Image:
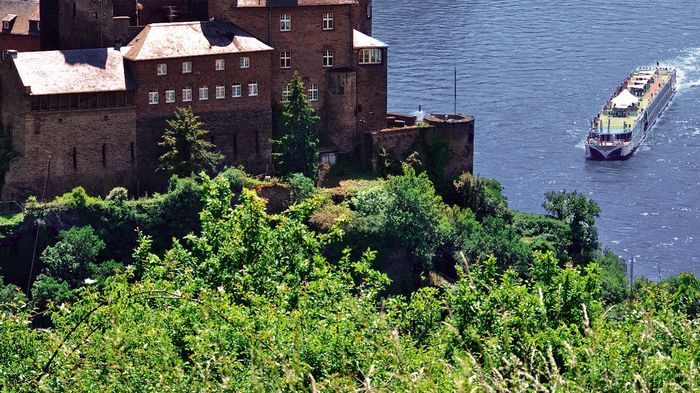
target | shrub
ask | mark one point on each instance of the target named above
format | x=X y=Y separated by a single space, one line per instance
x=483 y=196
x=300 y=187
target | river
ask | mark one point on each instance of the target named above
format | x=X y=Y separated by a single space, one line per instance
x=533 y=73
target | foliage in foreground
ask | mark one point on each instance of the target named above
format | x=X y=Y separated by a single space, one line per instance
x=251 y=303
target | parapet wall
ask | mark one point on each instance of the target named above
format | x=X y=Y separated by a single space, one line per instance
x=452 y=135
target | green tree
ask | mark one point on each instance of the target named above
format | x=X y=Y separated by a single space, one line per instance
x=580 y=213
x=70 y=264
x=482 y=195
x=296 y=148
x=186 y=150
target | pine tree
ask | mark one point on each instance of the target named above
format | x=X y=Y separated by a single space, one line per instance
x=186 y=149
x=296 y=148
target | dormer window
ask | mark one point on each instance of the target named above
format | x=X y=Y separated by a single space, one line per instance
x=7 y=21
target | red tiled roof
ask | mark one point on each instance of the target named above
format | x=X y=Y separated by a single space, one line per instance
x=290 y=3
x=73 y=71
x=23 y=12
x=185 y=39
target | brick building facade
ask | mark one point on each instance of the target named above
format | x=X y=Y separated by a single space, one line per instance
x=232 y=70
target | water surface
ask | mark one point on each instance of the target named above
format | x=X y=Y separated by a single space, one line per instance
x=534 y=72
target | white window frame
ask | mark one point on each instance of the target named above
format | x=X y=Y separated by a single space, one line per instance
x=369 y=10
x=220 y=92
x=169 y=96
x=313 y=93
x=286 y=93
x=153 y=97
x=5 y=25
x=370 y=56
x=327 y=58
x=328 y=22
x=236 y=90
x=186 y=67
x=286 y=59
x=245 y=62
x=187 y=94
x=162 y=69
x=219 y=64
x=253 y=89
x=285 y=22
x=203 y=93
x=4 y=54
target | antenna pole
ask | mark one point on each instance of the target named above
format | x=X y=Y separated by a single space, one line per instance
x=455 y=102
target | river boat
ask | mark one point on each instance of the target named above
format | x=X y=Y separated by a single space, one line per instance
x=629 y=115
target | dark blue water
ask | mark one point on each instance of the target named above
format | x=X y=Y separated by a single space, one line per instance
x=534 y=72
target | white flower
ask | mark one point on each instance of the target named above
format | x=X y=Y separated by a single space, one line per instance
x=89 y=281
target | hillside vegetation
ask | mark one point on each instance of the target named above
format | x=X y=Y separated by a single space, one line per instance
x=377 y=285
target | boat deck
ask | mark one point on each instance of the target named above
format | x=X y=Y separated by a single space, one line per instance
x=617 y=123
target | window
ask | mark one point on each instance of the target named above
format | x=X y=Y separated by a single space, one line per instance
x=285 y=22
x=162 y=69
x=329 y=159
x=253 y=89
x=187 y=94
x=286 y=92
x=313 y=93
x=236 y=90
x=152 y=97
x=369 y=11
x=245 y=62
x=5 y=25
x=220 y=64
x=169 y=96
x=4 y=54
x=327 y=58
x=370 y=56
x=186 y=67
x=203 y=93
x=286 y=59
x=328 y=21
x=38 y=26
x=220 y=92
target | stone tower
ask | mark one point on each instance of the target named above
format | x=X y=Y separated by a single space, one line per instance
x=362 y=16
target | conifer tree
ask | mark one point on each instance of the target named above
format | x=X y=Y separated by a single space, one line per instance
x=296 y=148
x=186 y=149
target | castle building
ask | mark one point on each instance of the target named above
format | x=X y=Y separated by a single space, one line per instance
x=93 y=117
x=20 y=26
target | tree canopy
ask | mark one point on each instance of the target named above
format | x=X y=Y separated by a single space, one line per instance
x=187 y=151
x=295 y=150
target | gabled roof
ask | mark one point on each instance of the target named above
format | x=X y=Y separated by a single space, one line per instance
x=186 y=39
x=361 y=40
x=21 y=11
x=289 y=3
x=73 y=71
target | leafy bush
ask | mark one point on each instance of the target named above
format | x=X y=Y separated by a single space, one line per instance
x=300 y=187
x=483 y=196
x=70 y=264
x=579 y=213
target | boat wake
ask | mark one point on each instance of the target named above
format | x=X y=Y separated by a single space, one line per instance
x=688 y=65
